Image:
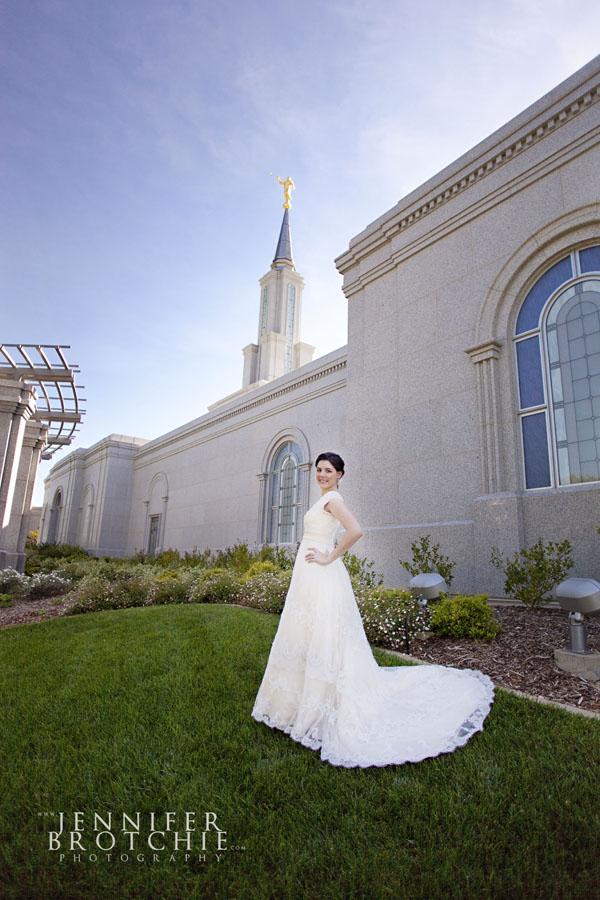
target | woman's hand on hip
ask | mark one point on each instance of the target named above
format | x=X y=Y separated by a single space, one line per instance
x=314 y=555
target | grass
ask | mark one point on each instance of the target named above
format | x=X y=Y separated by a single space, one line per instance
x=148 y=709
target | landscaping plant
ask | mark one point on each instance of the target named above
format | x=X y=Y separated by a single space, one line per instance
x=465 y=617
x=531 y=574
x=427 y=558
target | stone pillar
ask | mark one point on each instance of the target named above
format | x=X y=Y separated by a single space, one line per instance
x=305 y=468
x=33 y=443
x=163 y=521
x=146 y=526
x=17 y=406
x=263 y=517
x=497 y=512
x=485 y=357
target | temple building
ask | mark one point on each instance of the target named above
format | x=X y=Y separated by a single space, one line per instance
x=466 y=403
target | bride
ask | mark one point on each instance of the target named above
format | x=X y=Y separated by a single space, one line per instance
x=322 y=685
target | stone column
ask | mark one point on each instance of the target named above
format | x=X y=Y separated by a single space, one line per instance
x=261 y=533
x=146 y=527
x=163 y=521
x=33 y=443
x=497 y=513
x=305 y=468
x=485 y=357
x=17 y=406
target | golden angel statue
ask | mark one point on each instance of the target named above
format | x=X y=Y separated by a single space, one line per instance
x=288 y=185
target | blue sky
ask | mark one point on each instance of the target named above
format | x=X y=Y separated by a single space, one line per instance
x=137 y=141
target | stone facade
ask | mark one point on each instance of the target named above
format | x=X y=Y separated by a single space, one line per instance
x=423 y=403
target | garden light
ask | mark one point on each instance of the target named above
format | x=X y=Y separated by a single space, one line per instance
x=579 y=597
x=427 y=586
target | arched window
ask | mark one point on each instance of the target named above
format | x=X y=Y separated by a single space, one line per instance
x=54 y=517
x=285 y=493
x=557 y=345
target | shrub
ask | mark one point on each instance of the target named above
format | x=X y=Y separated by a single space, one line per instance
x=93 y=594
x=239 y=558
x=168 y=559
x=461 y=617
x=392 y=618
x=173 y=591
x=282 y=557
x=5 y=601
x=45 y=584
x=261 y=567
x=43 y=556
x=195 y=558
x=531 y=574
x=266 y=591
x=12 y=582
x=214 y=586
x=361 y=571
x=427 y=558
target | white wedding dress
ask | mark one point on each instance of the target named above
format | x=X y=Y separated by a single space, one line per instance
x=323 y=687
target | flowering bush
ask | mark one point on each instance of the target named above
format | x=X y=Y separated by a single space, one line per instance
x=45 y=584
x=214 y=586
x=34 y=587
x=94 y=594
x=261 y=567
x=171 y=587
x=392 y=618
x=266 y=591
x=12 y=582
x=461 y=616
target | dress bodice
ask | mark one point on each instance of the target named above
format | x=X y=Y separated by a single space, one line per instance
x=319 y=524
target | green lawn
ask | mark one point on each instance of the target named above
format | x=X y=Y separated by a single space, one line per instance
x=148 y=709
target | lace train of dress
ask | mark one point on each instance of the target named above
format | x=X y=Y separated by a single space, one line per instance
x=323 y=687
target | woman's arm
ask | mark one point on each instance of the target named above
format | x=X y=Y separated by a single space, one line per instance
x=353 y=532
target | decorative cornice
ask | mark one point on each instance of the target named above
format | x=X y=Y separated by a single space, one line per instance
x=402 y=220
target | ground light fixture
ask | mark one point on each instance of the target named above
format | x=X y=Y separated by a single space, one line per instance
x=427 y=586
x=579 y=597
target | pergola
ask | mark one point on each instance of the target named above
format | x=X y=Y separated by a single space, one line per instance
x=58 y=405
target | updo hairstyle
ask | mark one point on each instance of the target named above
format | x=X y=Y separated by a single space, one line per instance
x=336 y=461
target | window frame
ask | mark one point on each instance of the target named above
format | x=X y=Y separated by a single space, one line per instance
x=547 y=406
x=274 y=522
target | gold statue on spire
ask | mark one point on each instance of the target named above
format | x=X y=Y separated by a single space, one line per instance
x=288 y=185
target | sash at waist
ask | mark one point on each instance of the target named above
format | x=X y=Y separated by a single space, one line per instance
x=314 y=537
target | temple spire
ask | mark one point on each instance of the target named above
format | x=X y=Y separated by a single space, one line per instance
x=283 y=253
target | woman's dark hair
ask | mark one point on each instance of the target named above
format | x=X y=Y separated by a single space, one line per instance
x=336 y=461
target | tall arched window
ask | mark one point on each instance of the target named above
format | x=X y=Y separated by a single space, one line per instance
x=557 y=344
x=285 y=495
x=55 y=510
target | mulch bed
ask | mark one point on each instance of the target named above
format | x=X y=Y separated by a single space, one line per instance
x=521 y=657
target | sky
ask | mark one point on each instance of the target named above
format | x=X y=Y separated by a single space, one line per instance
x=137 y=138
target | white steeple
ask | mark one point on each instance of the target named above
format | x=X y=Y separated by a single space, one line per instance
x=279 y=349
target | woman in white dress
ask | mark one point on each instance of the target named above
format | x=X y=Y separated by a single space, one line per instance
x=322 y=685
